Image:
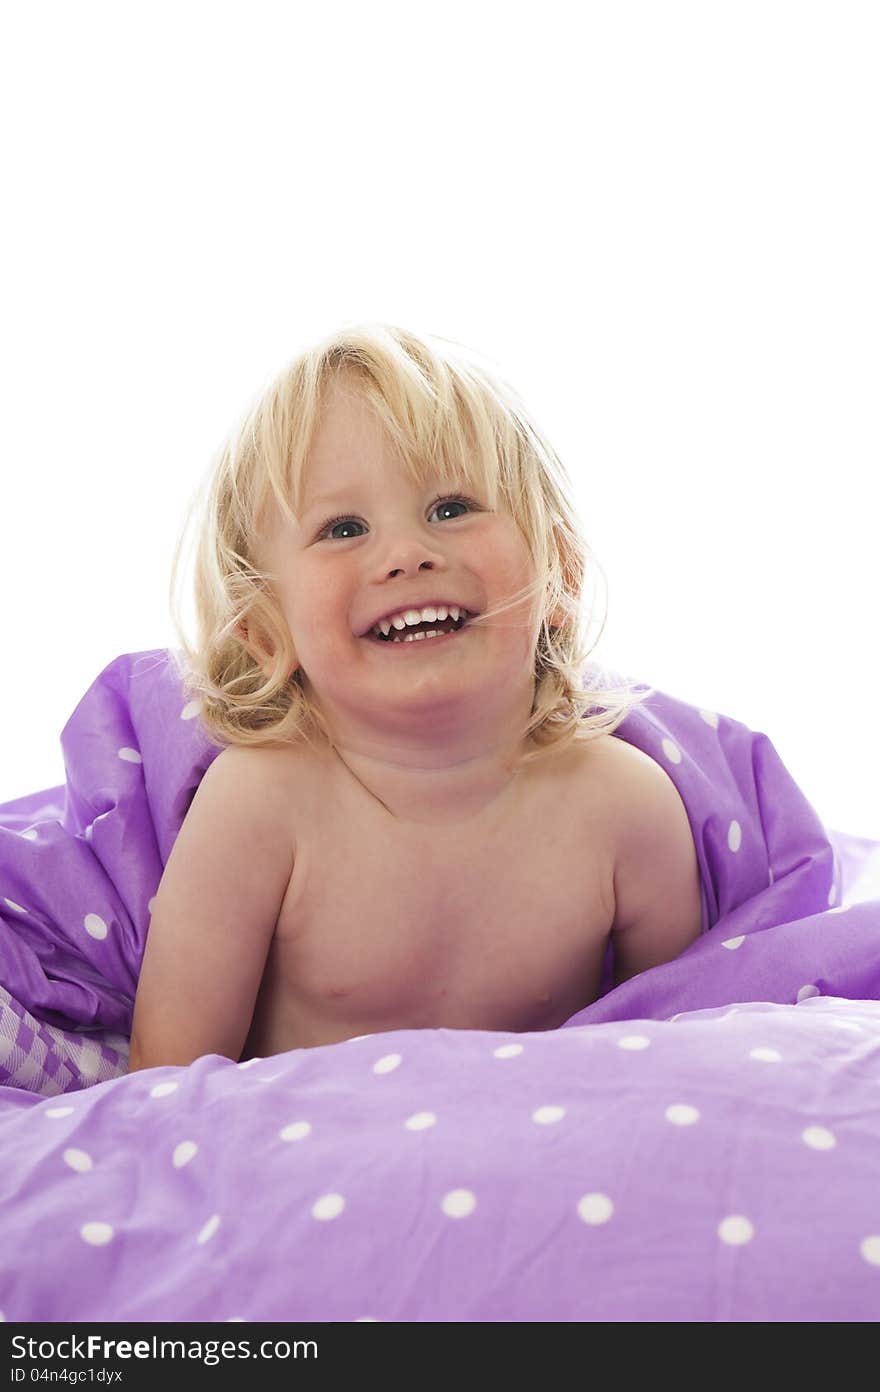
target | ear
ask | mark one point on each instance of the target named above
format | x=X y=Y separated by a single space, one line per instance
x=261 y=651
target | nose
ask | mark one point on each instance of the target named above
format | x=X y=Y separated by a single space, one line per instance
x=402 y=570
x=412 y=557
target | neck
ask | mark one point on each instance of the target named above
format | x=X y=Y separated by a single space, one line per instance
x=429 y=792
x=448 y=763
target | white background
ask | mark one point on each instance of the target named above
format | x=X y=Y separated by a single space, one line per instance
x=661 y=219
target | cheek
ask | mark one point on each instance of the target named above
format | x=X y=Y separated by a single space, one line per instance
x=516 y=565
x=319 y=611
x=316 y=590
x=503 y=547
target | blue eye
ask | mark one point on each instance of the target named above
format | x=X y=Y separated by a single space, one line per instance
x=334 y=521
x=443 y=502
x=343 y=517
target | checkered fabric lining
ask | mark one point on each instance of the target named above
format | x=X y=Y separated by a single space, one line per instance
x=42 y=1058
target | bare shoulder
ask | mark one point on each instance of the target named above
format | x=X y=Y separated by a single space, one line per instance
x=656 y=870
x=615 y=772
x=616 y=778
x=272 y=762
x=265 y=766
x=296 y=767
x=629 y=779
x=272 y=779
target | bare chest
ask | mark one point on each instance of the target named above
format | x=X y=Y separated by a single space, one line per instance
x=385 y=928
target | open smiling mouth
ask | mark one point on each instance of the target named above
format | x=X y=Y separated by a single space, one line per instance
x=440 y=631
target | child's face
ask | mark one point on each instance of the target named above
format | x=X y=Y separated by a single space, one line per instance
x=398 y=546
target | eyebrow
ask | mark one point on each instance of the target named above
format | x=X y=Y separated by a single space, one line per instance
x=342 y=495
x=327 y=499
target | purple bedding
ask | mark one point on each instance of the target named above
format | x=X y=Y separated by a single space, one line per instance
x=702 y=1143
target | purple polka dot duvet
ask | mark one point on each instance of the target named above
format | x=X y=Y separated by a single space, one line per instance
x=702 y=1143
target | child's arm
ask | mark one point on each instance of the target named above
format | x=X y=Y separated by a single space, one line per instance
x=214 y=916
x=658 y=911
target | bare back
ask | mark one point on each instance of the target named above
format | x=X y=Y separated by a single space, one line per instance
x=500 y=923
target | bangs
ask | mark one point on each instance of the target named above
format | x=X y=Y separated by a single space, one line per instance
x=443 y=419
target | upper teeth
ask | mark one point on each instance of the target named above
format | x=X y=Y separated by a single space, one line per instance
x=415 y=616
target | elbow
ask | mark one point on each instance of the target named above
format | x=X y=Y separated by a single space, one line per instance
x=140 y=1057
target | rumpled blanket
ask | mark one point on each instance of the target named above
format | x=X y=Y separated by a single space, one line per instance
x=700 y=1143
x=80 y=864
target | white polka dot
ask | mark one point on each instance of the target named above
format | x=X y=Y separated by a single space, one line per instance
x=209 y=1229
x=95 y=926
x=151 y=906
x=710 y=718
x=545 y=1116
x=421 y=1121
x=387 y=1064
x=633 y=1042
x=507 y=1050
x=190 y=710
x=96 y=1234
x=17 y=907
x=595 y=1208
x=79 y=1160
x=681 y=1114
x=806 y=992
x=733 y=943
x=734 y=836
x=766 y=1055
x=59 y=1111
x=183 y=1153
x=131 y=756
x=735 y=1230
x=30 y=834
x=295 y=1131
x=819 y=1138
x=458 y=1203
x=328 y=1206
x=672 y=751
x=870 y=1249
x=163 y=1089
x=832 y=895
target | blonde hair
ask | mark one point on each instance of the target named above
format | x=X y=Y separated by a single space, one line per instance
x=446 y=410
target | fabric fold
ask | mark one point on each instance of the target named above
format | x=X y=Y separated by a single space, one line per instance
x=80 y=864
